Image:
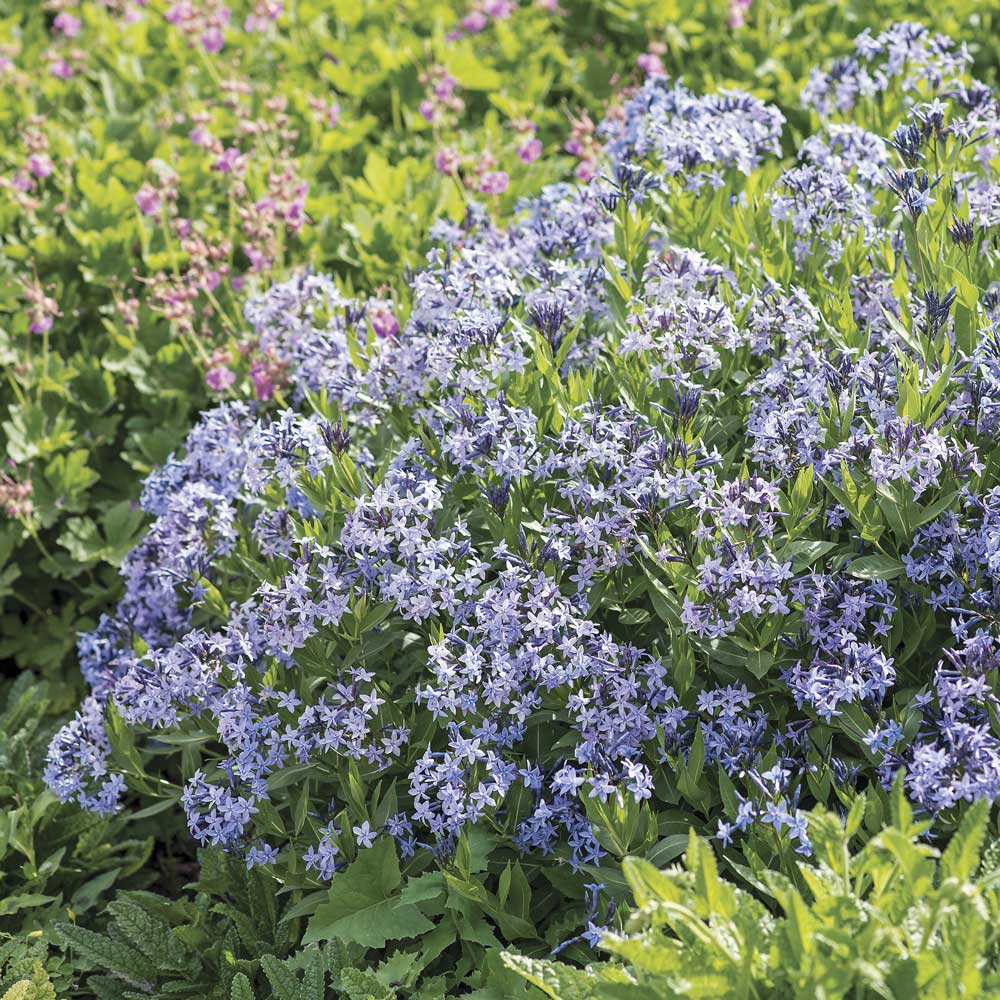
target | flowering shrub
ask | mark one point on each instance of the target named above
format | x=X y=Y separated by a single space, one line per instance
x=164 y=161
x=671 y=500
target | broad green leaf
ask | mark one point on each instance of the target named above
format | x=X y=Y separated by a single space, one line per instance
x=364 y=905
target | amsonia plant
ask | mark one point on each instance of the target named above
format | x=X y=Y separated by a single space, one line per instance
x=675 y=500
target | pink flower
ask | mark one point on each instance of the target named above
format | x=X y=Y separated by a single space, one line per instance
x=237 y=284
x=258 y=261
x=229 y=161
x=427 y=110
x=586 y=170
x=200 y=136
x=530 y=151
x=23 y=181
x=264 y=12
x=447 y=160
x=148 y=200
x=262 y=384
x=383 y=321
x=66 y=24
x=473 y=23
x=650 y=63
x=41 y=323
x=220 y=378
x=213 y=40
x=445 y=87
x=40 y=165
x=737 y=12
x=494 y=182
x=211 y=281
x=500 y=9
x=295 y=215
x=61 y=69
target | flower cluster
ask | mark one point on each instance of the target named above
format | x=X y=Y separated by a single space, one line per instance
x=595 y=509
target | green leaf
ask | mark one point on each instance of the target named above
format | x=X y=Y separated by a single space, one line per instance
x=113 y=956
x=150 y=935
x=876 y=567
x=806 y=551
x=364 y=906
x=961 y=858
x=284 y=982
x=24 y=901
x=240 y=988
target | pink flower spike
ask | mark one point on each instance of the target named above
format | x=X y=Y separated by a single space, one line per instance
x=148 y=200
x=220 y=378
x=40 y=165
x=200 y=136
x=530 y=151
x=67 y=24
x=61 y=69
x=179 y=12
x=228 y=161
x=651 y=64
x=473 y=23
x=262 y=384
x=213 y=40
x=447 y=160
x=494 y=182
x=500 y=9
x=384 y=321
x=737 y=13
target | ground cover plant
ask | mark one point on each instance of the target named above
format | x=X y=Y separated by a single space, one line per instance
x=665 y=502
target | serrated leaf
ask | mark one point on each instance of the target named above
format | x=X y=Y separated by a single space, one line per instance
x=116 y=957
x=961 y=857
x=240 y=988
x=364 y=906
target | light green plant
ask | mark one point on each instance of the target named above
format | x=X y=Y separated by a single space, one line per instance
x=896 y=918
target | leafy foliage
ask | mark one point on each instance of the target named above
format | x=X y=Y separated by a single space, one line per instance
x=894 y=918
x=54 y=859
x=234 y=940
